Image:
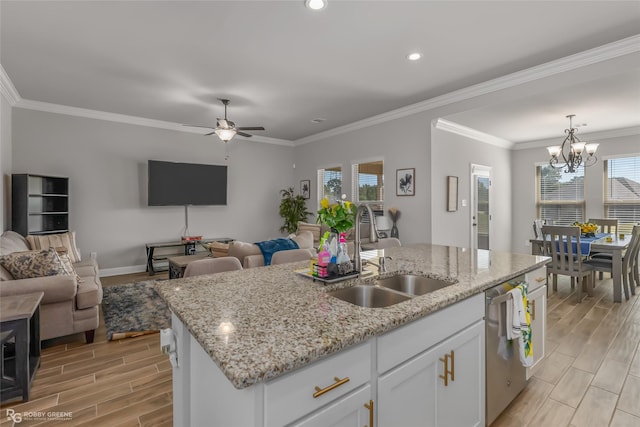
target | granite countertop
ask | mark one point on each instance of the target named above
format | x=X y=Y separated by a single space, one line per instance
x=259 y=323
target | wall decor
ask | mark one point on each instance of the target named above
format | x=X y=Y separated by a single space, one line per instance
x=405 y=182
x=305 y=188
x=452 y=193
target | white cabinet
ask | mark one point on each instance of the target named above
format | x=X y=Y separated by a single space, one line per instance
x=538 y=304
x=449 y=380
x=353 y=410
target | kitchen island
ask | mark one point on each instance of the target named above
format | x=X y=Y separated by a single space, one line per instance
x=254 y=346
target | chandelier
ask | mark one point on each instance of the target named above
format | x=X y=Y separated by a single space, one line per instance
x=571 y=151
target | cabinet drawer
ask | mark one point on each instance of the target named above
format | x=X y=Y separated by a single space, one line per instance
x=401 y=344
x=291 y=396
x=536 y=278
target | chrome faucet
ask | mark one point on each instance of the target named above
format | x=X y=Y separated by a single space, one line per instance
x=373 y=234
x=382 y=268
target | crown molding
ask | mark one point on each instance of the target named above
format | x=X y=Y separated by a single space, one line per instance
x=588 y=137
x=7 y=88
x=606 y=52
x=474 y=134
x=133 y=120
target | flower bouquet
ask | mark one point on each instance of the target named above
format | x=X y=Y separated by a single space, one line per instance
x=338 y=216
x=588 y=229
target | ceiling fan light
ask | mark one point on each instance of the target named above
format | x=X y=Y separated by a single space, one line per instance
x=591 y=148
x=225 y=134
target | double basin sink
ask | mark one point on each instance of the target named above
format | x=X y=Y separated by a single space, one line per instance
x=390 y=290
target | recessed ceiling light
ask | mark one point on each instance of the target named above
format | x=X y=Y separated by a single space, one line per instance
x=315 y=4
x=414 y=56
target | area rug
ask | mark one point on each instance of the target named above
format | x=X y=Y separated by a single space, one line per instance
x=133 y=309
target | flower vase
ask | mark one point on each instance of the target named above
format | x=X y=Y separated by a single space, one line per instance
x=394 y=231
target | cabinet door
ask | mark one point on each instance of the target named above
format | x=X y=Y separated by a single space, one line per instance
x=415 y=394
x=407 y=394
x=538 y=304
x=460 y=400
x=354 y=410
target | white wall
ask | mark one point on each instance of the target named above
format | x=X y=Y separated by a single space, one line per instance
x=524 y=183
x=402 y=143
x=452 y=154
x=106 y=164
x=5 y=163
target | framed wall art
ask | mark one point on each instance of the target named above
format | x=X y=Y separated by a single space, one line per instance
x=405 y=182
x=305 y=188
x=452 y=193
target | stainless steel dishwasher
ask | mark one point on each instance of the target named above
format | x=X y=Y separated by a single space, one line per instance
x=505 y=378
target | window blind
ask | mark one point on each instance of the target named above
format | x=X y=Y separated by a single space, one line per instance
x=330 y=183
x=560 y=195
x=622 y=191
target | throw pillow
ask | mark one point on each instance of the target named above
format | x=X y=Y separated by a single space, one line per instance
x=68 y=240
x=29 y=264
x=304 y=239
x=313 y=228
x=68 y=266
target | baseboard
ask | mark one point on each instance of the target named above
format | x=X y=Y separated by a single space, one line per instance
x=106 y=272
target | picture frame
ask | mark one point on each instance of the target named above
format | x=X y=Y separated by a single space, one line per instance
x=452 y=193
x=305 y=188
x=405 y=182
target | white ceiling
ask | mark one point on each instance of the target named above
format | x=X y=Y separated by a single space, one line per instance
x=283 y=65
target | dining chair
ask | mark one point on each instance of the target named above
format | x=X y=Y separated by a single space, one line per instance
x=293 y=255
x=607 y=225
x=212 y=265
x=629 y=262
x=562 y=244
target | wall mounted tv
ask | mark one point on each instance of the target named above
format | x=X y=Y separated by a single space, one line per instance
x=182 y=184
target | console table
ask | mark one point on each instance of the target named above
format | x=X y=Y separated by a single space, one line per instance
x=175 y=249
x=20 y=342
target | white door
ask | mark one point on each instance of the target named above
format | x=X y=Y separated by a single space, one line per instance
x=480 y=207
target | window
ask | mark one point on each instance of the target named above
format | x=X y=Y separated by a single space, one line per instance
x=368 y=184
x=622 y=191
x=330 y=183
x=560 y=195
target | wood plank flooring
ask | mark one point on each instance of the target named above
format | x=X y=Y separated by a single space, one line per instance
x=591 y=376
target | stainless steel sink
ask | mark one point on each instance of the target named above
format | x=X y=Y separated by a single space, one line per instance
x=412 y=284
x=369 y=296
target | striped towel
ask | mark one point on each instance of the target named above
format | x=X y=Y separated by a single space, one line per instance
x=519 y=314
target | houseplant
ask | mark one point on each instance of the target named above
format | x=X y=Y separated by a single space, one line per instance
x=293 y=209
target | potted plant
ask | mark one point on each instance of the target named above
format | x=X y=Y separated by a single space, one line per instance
x=293 y=209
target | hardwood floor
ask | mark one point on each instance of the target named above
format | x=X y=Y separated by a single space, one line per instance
x=106 y=383
x=591 y=376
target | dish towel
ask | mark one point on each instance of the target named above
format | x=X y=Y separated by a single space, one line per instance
x=518 y=312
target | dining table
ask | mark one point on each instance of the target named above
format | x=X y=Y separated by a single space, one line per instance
x=615 y=247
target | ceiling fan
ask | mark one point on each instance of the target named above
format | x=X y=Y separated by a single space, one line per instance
x=226 y=129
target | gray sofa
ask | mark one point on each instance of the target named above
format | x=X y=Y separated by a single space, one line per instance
x=70 y=303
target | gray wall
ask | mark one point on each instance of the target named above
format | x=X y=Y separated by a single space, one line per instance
x=453 y=154
x=106 y=164
x=402 y=143
x=5 y=163
x=524 y=182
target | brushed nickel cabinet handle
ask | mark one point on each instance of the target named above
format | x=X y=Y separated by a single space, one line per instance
x=338 y=382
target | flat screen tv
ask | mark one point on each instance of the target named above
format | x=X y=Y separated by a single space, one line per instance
x=182 y=184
